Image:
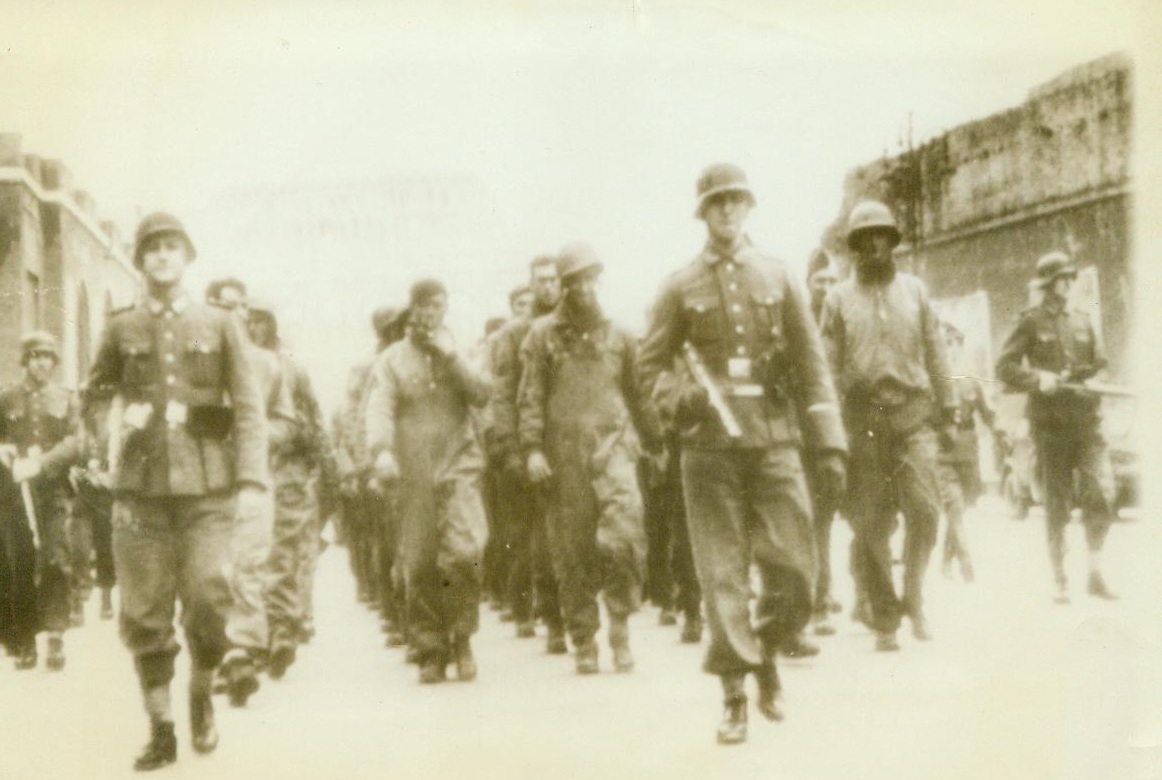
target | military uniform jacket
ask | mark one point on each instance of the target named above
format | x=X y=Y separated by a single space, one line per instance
x=579 y=387
x=752 y=326
x=207 y=430
x=1051 y=337
x=505 y=360
x=47 y=418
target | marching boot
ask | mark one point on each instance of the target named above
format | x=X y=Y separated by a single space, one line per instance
x=203 y=732
x=555 y=644
x=797 y=646
x=821 y=621
x=241 y=678
x=465 y=661
x=667 y=617
x=886 y=642
x=966 y=570
x=1098 y=588
x=281 y=659
x=587 y=657
x=692 y=630
x=433 y=670
x=162 y=749
x=920 y=628
x=732 y=728
x=77 y=612
x=1057 y=559
x=56 y=653
x=106 y=603
x=526 y=629
x=619 y=644
x=26 y=657
x=770 y=689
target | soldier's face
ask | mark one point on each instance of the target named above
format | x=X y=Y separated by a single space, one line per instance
x=40 y=367
x=581 y=290
x=1062 y=286
x=725 y=215
x=522 y=305
x=261 y=330
x=820 y=283
x=164 y=257
x=232 y=300
x=429 y=313
x=546 y=285
x=874 y=247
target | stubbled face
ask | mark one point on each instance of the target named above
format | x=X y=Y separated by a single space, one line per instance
x=581 y=290
x=725 y=215
x=164 y=257
x=40 y=366
x=546 y=286
x=522 y=305
x=429 y=314
x=874 y=247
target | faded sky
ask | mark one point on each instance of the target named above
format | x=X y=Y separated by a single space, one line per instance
x=590 y=121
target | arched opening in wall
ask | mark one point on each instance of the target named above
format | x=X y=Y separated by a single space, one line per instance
x=84 y=332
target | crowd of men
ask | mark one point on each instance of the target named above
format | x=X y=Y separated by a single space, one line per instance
x=558 y=465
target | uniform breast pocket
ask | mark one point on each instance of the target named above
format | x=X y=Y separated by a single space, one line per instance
x=1046 y=347
x=204 y=363
x=766 y=309
x=136 y=363
x=704 y=316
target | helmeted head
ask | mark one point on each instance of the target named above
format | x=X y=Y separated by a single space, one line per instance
x=1054 y=266
x=38 y=343
x=156 y=224
x=822 y=274
x=868 y=217
x=580 y=268
x=262 y=324
x=720 y=179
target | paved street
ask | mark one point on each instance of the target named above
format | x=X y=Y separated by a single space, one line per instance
x=1012 y=687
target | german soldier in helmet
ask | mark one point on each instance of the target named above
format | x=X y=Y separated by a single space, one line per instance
x=888 y=358
x=40 y=428
x=192 y=458
x=746 y=500
x=1051 y=345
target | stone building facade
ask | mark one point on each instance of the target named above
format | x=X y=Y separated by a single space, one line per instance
x=62 y=269
x=979 y=204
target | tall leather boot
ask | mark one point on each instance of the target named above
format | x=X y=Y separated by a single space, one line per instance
x=162 y=748
x=203 y=732
x=56 y=652
x=732 y=728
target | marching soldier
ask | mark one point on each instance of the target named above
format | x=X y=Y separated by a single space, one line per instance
x=419 y=432
x=531 y=584
x=300 y=474
x=40 y=429
x=191 y=458
x=580 y=404
x=746 y=501
x=959 y=465
x=888 y=359
x=1053 y=346
x=248 y=626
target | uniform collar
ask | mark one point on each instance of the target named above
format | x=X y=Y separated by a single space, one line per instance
x=712 y=255
x=179 y=304
x=561 y=319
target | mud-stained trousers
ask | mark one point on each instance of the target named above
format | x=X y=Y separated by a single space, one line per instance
x=248 y=626
x=1060 y=454
x=443 y=531
x=532 y=586
x=747 y=506
x=597 y=535
x=296 y=527
x=888 y=473
x=166 y=549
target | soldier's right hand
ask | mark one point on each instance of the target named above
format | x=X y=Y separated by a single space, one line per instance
x=538 y=467
x=693 y=402
x=386 y=469
x=1047 y=382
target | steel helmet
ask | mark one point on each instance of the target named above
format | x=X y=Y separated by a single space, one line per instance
x=719 y=178
x=38 y=341
x=872 y=215
x=1052 y=266
x=576 y=258
x=155 y=223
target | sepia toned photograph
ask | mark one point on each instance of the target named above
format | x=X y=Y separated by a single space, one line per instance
x=613 y=389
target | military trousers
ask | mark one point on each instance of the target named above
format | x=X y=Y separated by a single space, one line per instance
x=687 y=591
x=1060 y=455
x=955 y=497
x=93 y=511
x=383 y=515
x=744 y=507
x=597 y=535
x=532 y=586
x=443 y=531
x=41 y=580
x=823 y=511
x=248 y=626
x=296 y=527
x=167 y=549
x=890 y=473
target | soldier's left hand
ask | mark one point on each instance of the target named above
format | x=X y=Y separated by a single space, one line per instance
x=24 y=469
x=833 y=477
